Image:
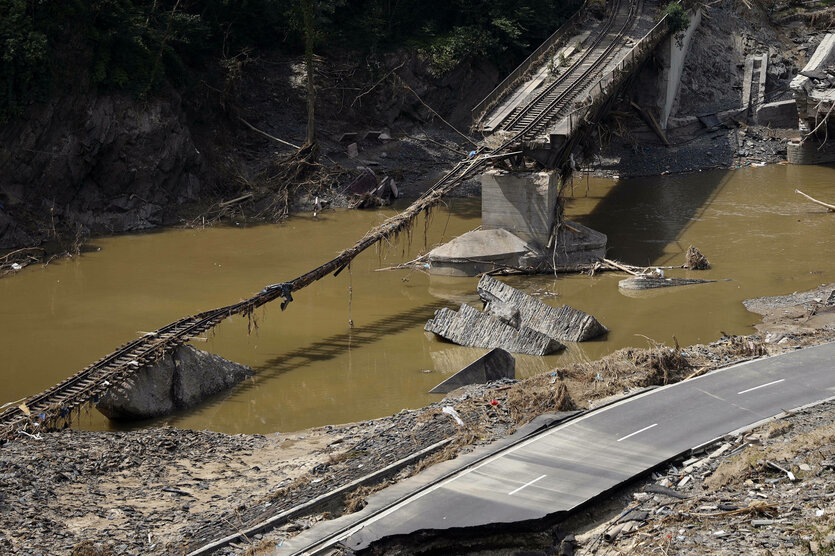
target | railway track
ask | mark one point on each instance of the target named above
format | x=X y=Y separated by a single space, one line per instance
x=549 y=104
x=53 y=407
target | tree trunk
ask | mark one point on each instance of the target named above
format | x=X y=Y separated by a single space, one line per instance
x=307 y=8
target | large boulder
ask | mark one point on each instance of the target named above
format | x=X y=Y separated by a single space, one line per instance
x=179 y=380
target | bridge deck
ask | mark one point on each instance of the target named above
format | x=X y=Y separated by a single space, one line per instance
x=571 y=72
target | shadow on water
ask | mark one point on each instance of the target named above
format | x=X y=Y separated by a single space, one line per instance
x=641 y=216
x=323 y=350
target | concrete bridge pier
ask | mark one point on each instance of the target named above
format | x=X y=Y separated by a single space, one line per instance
x=672 y=53
x=522 y=226
x=814 y=96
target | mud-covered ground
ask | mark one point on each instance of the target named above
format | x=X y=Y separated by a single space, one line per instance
x=168 y=490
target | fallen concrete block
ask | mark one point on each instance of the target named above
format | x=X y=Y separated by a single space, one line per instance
x=470 y=327
x=564 y=323
x=782 y=114
x=179 y=380
x=494 y=365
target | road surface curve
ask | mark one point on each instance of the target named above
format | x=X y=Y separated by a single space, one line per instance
x=566 y=466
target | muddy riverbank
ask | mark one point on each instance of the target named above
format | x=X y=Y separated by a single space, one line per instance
x=167 y=490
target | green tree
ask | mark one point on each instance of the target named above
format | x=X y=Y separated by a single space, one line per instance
x=678 y=20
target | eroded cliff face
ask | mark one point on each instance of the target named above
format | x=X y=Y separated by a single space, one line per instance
x=108 y=163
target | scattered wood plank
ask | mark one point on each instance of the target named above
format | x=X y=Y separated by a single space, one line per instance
x=621 y=267
x=236 y=200
x=829 y=208
x=648 y=118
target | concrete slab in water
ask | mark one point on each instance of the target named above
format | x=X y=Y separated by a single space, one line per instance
x=562 y=323
x=476 y=252
x=494 y=365
x=471 y=327
x=577 y=244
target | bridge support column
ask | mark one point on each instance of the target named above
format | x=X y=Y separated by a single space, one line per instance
x=525 y=204
x=672 y=55
x=815 y=101
x=521 y=203
x=810 y=152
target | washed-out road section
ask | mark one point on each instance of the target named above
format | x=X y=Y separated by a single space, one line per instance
x=574 y=462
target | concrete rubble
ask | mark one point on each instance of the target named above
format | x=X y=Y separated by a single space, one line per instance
x=563 y=323
x=514 y=321
x=494 y=365
x=179 y=380
x=471 y=327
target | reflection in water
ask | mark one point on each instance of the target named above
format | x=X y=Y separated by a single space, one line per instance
x=313 y=369
x=642 y=216
x=323 y=351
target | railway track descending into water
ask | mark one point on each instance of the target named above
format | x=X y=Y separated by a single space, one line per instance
x=53 y=407
x=550 y=104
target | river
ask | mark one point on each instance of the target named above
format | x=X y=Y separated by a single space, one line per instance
x=315 y=368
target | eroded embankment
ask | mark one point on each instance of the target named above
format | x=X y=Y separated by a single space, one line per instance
x=169 y=490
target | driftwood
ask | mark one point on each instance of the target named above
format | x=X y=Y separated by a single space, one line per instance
x=624 y=268
x=471 y=327
x=505 y=270
x=267 y=135
x=236 y=200
x=829 y=208
x=564 y=323
x=648 y=282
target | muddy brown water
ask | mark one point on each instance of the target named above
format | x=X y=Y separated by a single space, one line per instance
x=315 y=369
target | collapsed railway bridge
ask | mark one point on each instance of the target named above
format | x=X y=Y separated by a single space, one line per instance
x=538 y=114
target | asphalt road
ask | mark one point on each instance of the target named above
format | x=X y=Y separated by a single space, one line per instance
x=566 y=466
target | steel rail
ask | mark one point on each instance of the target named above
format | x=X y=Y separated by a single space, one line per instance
x=563 y=77
x=552 y=100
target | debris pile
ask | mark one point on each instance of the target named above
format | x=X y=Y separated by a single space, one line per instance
x=694 y=260
x=368 y=190
x=764 y=490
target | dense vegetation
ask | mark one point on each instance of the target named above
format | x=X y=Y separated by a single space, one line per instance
x=138 y=45
x=677 y=19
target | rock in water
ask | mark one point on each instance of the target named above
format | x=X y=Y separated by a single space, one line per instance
x=471 y=327
x=564 y=323
x=179 y=380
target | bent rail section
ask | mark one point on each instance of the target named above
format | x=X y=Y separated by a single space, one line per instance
x=53 y=407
